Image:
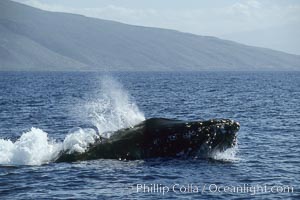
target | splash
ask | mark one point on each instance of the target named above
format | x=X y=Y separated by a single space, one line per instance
x=114 y=109
x=32 y=148
x=79 y=140
x=36 y=148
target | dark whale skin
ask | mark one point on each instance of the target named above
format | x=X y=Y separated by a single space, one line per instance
x=160 y=137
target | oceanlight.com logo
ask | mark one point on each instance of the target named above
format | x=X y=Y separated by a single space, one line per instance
x=213 y=188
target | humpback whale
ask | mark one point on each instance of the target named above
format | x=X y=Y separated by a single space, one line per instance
x=160 y=137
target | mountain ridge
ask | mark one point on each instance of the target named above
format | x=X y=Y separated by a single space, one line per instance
x=34 y=39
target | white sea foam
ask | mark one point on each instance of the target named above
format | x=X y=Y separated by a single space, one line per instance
x=229 y=155
x=32 y=148
x=113 y=110
x=79 y=140
x=35 y=147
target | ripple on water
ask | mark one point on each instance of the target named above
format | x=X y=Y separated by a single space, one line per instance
x=265 y=104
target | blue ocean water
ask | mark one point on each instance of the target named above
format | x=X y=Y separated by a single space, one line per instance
x=267 y=105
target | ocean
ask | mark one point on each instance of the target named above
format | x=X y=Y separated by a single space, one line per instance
x=39 y=113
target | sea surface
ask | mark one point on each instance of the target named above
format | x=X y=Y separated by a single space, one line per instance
x=39 y=113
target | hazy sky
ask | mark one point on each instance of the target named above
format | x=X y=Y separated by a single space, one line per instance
x=267 y=23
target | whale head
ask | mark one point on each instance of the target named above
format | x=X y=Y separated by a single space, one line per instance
x=221 y=134
x=173 y=138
